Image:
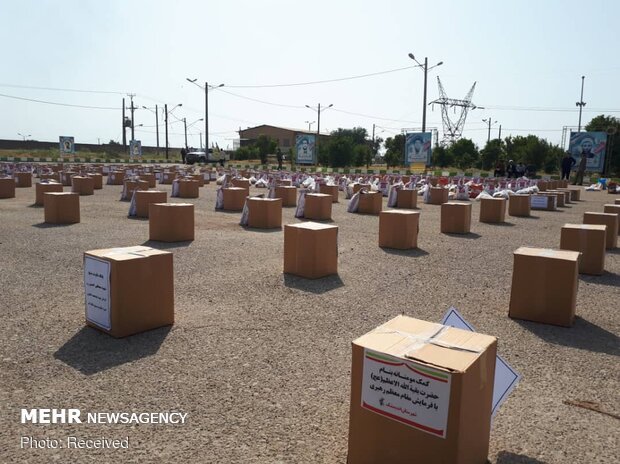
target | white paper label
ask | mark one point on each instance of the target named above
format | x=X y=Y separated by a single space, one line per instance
x=405 y=391
x=506 y=378
x=540 y=201
x=97 y=291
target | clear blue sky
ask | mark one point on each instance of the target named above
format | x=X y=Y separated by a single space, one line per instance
x=523 y=55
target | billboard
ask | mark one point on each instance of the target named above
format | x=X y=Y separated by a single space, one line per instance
x=135 y=149
x=304 y=149
x=418 y=147
x=67 y=145
x=593 y=144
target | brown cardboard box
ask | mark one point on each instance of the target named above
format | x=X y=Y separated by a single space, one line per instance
x=189 y=188
x=65 y=177
x=564 y=195
x=455 y=218
x=575 y=194
x=613 y=209
x=243 y=183
x=542 y=185
x=544 y=286
x=150 y=178
x=607 y=219
x=357 y=187
x=553 y=184
x=311 y=249
x=145 y=197
x=97 y=180
x=439 y=195
x=264 y=213
x=589 y=240
x=168 y=177
x=318 y=206
x=395 y=370
x=544 y=202
x=116 y=177
x=561 y=198
x=617 y=201
x=519 y=205
x=284 y=182
x=407 y=198
x=288 y=195
x=171 y=222
x=198 y=178
x=330 y=190
x=45 y=187
x=370 y=203
x=61 y=208
x=492 y=210
x=399 y=229
x=234 y=198
x=23 y=179
x=128 y=290
x=563 y=183
x=83 y=185
x=131 y=186
x=7 y=187
x=405 y=179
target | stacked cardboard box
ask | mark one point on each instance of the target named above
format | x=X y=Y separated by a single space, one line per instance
x=407 y=198
x=311 y=249
x=370 y=203
x=45 y=187
x=438 y=196
x=455 y=218
x=288 y=195
x=421 y=393
x=234 y=198
x=544 y=285
x=399 y=229
x=589 y=240
x=23 y=179
x=83 y=185
x=150 y=178
x=198 y=178
x=607 y=219
x=144 y=198
x=128 y=290
x=492 y=210
x=171 y=222
x=330 y=190
x=519 y=205
x=264 y=213
x=189 y=188
x=61 y=207
x=318 y=206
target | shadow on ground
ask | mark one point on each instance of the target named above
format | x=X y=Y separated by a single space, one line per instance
x=45 y=225
x=608 y=278
x=90 y=351
x=262 y=231
x=414 y=252
x=469 y=236
x=583 y=335
x=318 y=286
x=166 y=245
x=505 y=457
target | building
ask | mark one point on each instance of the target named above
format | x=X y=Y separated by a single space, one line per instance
x=285 y=137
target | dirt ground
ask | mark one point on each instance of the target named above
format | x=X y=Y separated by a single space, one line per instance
x=260 y=361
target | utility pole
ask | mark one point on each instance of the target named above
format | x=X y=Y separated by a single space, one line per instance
x=166 y=121
x=185 y=126
x=201 y=140
x=207 y=119
x=499 y=137
x=318 y=135
x=581 y=103
x=489 y=137
x=131 y=95
x=124 y=132
x=157 y=127
x=424 y=102
x=490 y=121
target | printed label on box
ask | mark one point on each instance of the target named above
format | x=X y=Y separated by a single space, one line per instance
x=97 y=291
x=405 y=391
x=539 y=202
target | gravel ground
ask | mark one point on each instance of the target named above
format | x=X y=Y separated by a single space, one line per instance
x=261 y=361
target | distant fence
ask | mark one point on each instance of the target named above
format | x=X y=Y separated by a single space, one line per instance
x=92 y=147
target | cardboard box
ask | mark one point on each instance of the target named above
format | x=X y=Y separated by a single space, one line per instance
x=395 y=369
x=617 y=201
x=407 y=198
x=563 y=183
x=542 y=185
x=311 y=249
x=563 y=196
x=23 y=179
x=370 y=203
x=144 y=198
x=613 y=209
x=61 y=207
x=171 y=222
x=405 y=179
x=234 y=198
x=116 y=178
x=399 y=229
x=493 y=210
x=97 y=180
x=264 y=213
x=284 y=182
x=128 y=290
x=243 y=183
x=150 y=178
x=589 y=240
x=83 y=185
x=357 y=187
x=318 y=206
x=130 y=186
x=168 y=177
x=288 y=195
x=573 y=194
x=198 y=178
x=45 y=187
x=519 y=205
x=544 y=285
x=560 y=198
x=544 y=202
x=455 y=218
x=607 y=219
x=65 y=177
x=439 y=195
x=189 y=188
x=330 y=190
x=53 y=176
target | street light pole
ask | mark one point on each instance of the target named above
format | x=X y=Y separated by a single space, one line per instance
x=207 y=119
x=157 y=128
x=185 y=126
x=581 y=103
x=318 y=128
x=166 y=121
x=425 y=68
x=490 y=121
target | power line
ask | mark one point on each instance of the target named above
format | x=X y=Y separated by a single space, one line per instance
x=59 y=104
x=262 y=101
x=16 y=86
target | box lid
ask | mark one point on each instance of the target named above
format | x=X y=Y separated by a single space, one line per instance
x=173 y=204
x=125 y=253
x=548 y=253
x=318 y=195
x=399 y=212
x=441 y=346
x=312 y=226
x=600 y=227
x=264 y=199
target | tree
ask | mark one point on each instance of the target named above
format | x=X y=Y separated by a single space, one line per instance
x=266 y=145
x=340 y=151
x=492 y=152
x=375 y=146
x=442 y=157
x=534 y=151
x=362 y=155
x=611 y=125
x=464 y=152
x=395 y=150
x=246 y=153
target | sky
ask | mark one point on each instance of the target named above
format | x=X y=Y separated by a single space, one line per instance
x=526 y=57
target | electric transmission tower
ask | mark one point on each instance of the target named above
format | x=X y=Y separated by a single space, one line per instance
x=452 y=130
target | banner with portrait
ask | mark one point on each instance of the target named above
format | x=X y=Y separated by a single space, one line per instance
x=135 y=149
x=67 y=146
x=305 y=149
x=593 y=145
x=418 y=148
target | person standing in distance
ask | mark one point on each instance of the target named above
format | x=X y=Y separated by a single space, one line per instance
x=567 y=164
x=581 y=169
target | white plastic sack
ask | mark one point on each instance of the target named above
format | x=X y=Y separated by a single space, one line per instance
x=175 y=188
x=462 y=192
x=393 y=195
x=245 y=213
x=503 y=194
x=301 y=202
x=483 y=194
x=426 y=193
x=132 y=205
x=354 y=202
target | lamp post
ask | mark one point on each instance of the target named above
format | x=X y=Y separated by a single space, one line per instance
x=166 y=113
x=489 y=121
x=156 y=125
x=207 y=86
x=24 y=136
x=318 y=127
x=309 y=124
x=425 y=68
x=186 y=126
x=581 y=103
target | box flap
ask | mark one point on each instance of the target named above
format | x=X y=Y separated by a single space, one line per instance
x=599 y=227
x=125 y=253
x=548 y=253
x=312 y=225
